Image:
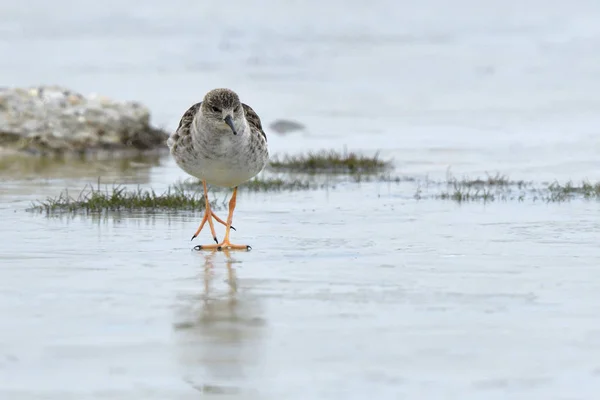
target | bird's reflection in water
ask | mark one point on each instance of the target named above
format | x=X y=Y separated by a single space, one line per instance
x=219 y=331
x=209 y=271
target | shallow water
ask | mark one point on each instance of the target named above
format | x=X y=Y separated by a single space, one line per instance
x=350 y=292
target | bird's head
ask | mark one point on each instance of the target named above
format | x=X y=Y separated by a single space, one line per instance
x=222 y=107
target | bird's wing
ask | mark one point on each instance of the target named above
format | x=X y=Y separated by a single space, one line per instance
x=254 y=120
x=188 y=116
x=183 y=131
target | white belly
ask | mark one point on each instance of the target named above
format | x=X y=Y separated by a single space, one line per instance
x=227 y=170
x=222 y=172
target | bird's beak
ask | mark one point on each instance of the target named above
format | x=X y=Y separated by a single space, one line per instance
x=229 y=121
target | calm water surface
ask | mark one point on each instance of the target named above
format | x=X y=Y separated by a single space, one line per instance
x=352 y=292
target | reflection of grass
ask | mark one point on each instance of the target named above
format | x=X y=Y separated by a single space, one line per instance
x=330 y=161
x=119 y=198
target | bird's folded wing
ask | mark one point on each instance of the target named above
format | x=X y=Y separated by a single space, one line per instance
x=253 y=120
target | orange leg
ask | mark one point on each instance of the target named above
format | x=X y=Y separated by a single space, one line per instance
x=226 y=244
x=208 y=216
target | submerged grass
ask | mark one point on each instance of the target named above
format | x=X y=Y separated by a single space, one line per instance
x=188 y=195
x=491 y=188
x=460 y=195
x=568 y=191
x=496 y=181
x=499 y=187
x=118 y=198
x=330 y=162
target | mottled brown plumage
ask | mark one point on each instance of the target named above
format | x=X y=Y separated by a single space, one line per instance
x=188 y=117
x=183 y=135
x=254 y=120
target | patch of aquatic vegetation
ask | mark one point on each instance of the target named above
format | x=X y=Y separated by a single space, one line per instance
x=330 y=162
x=297 y=182
x=254 y=185
x=568 y=191
x=276 y=184
x=491 y=188
x=381 y=178
x=118 y=198
x=497 y=181
x=501 y=188
x=290 y=182
x=461 y=195
x=188 y=195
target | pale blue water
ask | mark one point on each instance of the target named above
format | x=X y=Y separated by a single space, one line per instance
x=349 y=292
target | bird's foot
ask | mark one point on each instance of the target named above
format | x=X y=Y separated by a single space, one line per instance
x=210 y=214
x=225 y=245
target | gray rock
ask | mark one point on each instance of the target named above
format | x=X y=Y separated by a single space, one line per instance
x=57 y=119
x=284 y=126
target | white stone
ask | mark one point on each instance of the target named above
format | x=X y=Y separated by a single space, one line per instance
x=56 y=118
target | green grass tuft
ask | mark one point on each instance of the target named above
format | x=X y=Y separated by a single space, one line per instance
x=330 y=162
x=118 y=198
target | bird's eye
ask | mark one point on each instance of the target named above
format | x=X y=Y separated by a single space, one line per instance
x=216 y=109
x=236 y=109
